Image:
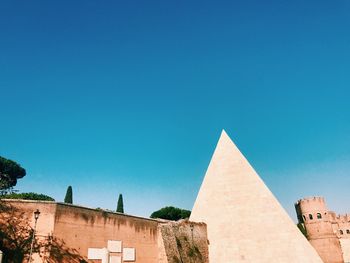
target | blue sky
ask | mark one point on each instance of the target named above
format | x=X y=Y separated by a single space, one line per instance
x=131 y=96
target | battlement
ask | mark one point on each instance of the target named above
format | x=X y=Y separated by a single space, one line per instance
x=337 y=218
x=312 y=199
x=343 y=218
x=311 y=208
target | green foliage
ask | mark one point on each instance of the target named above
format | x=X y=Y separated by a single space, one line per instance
x=178 y=242
x=194 y=252
x=28 y=196
x=120 y=205
x=171 y=213
x=10 y=171
x=302 y=229
x=176 y=259
x=69 y=195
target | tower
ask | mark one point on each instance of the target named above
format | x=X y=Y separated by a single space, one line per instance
x=245 y=222
x=313 y=214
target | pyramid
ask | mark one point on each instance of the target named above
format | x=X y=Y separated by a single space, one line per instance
x=245 y=222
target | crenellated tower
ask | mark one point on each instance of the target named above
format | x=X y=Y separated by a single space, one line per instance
x=316 y=219
x=313 y=214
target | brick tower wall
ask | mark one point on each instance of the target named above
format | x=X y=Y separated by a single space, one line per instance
x=314 y=215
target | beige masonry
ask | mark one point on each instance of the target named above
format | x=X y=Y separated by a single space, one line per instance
x=245 y=222
x=98 y=236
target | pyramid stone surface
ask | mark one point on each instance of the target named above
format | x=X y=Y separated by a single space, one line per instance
x=245 y=222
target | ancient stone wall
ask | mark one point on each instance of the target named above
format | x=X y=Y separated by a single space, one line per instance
x=90 y=228
x=72 y=233
x=184 y=242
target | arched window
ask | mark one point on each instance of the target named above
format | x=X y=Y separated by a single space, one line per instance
x=347 y=231
x=319 y=216
x=341 y=232
x=310 y=216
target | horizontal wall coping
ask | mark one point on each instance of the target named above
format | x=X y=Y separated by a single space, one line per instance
x=79 y=206
x=161 y=221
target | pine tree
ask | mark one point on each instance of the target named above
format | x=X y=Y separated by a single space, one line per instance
x=10 y=171
x=120 y=206
x=69 y=196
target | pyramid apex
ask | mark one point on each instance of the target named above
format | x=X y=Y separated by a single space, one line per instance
x=226 y=140
x=224 y=133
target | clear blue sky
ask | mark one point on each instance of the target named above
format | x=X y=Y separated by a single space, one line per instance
x=131 y=96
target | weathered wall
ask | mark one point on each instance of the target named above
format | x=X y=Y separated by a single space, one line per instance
x=184 y=242
x=71 y=230
x=22 y=213
x=46 y=219
x=83 y=228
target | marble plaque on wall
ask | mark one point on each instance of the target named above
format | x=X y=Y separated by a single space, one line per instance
x=129 y=254
x=114 y=246
x=115 y=259
x=95 y=253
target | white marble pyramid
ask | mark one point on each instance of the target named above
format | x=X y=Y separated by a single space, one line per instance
x=245 y=222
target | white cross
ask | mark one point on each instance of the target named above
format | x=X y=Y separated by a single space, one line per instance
x=113 y=246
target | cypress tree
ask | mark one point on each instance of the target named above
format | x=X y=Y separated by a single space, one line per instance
x=120 y=206
x=69 y=196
